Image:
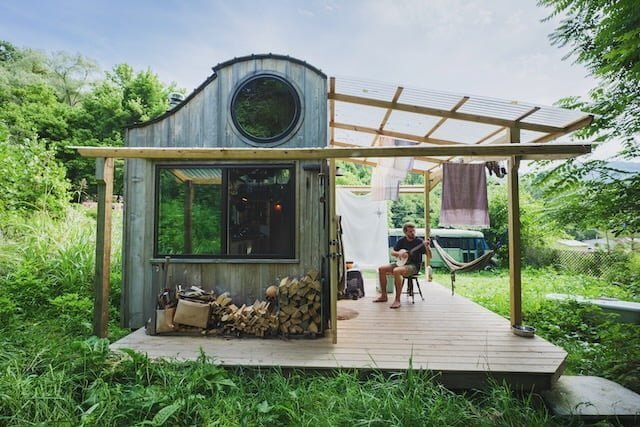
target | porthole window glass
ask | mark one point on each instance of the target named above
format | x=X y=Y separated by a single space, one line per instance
x=265 y=109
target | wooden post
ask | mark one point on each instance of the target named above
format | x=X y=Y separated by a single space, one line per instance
x=515 y=273
x=104 y=178
x=427 y=218
x=188 y=216
x=333 y=249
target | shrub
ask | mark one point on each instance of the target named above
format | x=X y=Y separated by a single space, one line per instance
x=31 y=179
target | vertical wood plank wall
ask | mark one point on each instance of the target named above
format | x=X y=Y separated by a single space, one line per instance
x=205 y=121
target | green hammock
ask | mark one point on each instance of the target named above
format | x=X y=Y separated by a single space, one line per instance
x=455 y=266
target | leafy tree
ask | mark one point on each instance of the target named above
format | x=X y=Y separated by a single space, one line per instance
x=34 y=108
x=353 y=173
x=604 y=36
x=123 y=98
x=70 y=75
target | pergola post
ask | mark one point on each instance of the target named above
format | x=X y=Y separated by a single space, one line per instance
x=333 y=251
x=515 y=268
x=104 y=178
x=427 y=218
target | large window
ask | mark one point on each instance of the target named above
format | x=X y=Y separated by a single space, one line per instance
x=225 y=211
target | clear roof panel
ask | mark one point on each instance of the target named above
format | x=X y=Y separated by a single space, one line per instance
x=366 y=108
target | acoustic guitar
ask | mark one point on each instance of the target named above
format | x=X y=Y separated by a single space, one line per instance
x=403 y=254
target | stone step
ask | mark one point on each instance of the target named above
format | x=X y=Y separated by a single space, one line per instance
x=593 y=399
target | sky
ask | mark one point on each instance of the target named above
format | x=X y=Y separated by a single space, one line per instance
x=495 y=48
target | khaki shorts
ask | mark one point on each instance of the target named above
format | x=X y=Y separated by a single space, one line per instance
x=411 y=269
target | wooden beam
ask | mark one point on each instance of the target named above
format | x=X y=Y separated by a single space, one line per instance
x=104 y=178
x=444 y=119
x=438 y=112
x=423 y=158
x=253 y=154
x=393 y=134
x=490 y=135
x=387 y=114
x=515 y=273
x=404 y=189
x=578 y=124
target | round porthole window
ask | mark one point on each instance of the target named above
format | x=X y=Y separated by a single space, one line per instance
x=265 y=109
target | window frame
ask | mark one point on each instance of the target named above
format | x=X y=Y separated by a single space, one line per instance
x=225 y=206
x=285 y=135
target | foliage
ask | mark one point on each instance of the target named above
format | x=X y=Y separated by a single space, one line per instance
x=30 y=177
x=597 y=196
x=57 y=98
x=123 y=98
x=353 y=173
x=534 y=233
x=596 y=345
x=91 y=386
x=47 y=266
x=604 y=36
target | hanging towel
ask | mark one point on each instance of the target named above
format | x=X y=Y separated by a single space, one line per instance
x=390 y=171
x=464 y=195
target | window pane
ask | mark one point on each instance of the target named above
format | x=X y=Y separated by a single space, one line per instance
x=261 y=212
x=189 y=211
x=265 y=109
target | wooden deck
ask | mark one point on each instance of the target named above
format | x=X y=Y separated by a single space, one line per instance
x=463 y=343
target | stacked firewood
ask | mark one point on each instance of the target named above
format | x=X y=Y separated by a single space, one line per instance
x=292 y=308
x=300 y=308
x=256 y=320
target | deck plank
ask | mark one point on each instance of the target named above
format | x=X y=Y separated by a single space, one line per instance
x=462 y=342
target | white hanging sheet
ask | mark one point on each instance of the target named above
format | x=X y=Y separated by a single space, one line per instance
x=365 y=235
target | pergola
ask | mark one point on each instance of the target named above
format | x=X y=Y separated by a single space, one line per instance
x=443 y=127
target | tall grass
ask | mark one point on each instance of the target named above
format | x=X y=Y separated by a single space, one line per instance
x=47 y=269
x=102 y=388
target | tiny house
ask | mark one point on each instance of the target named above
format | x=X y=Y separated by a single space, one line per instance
x=234 y=226
x=234 y=187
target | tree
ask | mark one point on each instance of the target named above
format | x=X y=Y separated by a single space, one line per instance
x=70 y=75
x=123 y=98
x=604 y=36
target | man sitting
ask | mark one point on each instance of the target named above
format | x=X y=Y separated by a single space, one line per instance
x=408 y=251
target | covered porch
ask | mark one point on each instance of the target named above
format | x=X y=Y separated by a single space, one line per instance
x=462 y=343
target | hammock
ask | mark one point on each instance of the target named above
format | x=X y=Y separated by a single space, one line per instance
x=455 y=266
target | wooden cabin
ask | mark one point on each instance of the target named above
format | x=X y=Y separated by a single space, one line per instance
x=236 y=185
x=235 y=226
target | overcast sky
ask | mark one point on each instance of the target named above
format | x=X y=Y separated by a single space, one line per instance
x=497 y=48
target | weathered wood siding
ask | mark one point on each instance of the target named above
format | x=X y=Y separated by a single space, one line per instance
x=205 y=121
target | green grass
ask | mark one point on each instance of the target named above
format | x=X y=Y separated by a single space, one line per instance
x=52 y=372
x=96 y=387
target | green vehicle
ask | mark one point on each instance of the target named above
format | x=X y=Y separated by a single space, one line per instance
x=462 y=245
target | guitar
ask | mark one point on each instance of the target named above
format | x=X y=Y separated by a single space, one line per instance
x=403 y=255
